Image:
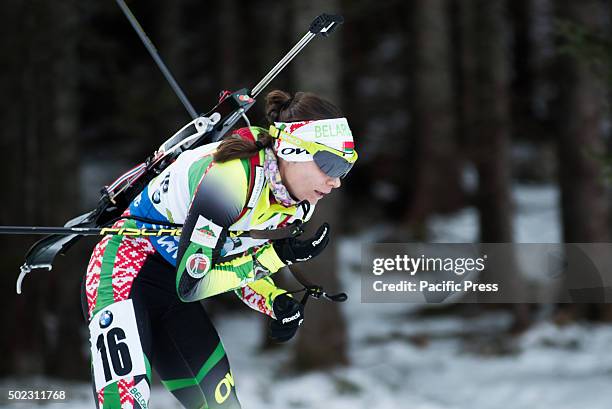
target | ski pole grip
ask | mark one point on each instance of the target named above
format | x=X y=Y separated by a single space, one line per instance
x=324 y=24
x=340 y=297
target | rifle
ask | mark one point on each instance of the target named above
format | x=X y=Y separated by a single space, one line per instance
x=201 y=130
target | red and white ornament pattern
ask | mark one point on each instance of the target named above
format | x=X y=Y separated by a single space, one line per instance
x=255 y=300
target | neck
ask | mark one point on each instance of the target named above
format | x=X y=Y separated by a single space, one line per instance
x=282 y=168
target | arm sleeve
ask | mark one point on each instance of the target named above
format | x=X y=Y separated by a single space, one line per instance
x=260 y=294
x=218 y=201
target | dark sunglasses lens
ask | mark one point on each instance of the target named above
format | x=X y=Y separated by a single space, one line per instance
x=332 y=165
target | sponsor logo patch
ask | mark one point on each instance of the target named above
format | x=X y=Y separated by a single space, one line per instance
x=106 y=319
x=198 y=265
x=206 y=233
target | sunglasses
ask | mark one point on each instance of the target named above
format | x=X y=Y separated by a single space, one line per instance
x=333 y=162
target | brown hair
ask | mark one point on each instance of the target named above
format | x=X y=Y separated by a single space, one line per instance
x=280 y=107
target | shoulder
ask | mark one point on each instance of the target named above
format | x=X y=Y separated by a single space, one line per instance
x=229 y=179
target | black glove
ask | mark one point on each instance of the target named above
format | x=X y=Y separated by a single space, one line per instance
x=292 y=250
x=289 y=316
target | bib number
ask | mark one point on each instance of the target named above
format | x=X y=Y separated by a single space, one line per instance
x=115 y=344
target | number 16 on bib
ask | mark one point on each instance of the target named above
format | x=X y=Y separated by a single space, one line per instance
x=115 y=344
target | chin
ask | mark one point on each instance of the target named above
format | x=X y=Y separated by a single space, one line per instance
x=313 y=200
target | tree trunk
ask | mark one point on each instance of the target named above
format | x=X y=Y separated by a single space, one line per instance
x=522 y=52
x=486 y=126
x=436 y=186
x=43 y=330
x=485 y=113
x=579 y=112
x=491 y=126
x=322 y=341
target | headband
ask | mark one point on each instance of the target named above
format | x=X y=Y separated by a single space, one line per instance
x=334 y=133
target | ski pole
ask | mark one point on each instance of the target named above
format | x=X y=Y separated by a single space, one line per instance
x=313 y=290
x=292 y=230
x=90 y=231
x=153 y=51
x=323 y=25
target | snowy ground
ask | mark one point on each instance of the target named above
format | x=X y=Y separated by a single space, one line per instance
x=399 y=360
x=536 y=218
x=548 y=367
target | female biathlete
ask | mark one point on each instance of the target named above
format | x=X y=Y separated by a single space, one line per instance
x=140 y=293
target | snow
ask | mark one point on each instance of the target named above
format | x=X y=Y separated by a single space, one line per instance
x=549 y=367
x=400 y=359
x=536 y=218
x=552 y=367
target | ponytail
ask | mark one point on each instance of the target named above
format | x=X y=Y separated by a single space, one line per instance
x=280 y=107
x=235 y=147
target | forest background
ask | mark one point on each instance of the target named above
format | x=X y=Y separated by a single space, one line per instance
x=453 y=104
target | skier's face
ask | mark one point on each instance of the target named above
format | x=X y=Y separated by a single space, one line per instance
x=306 y=181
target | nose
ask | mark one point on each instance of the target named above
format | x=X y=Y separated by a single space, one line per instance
x=334 y=182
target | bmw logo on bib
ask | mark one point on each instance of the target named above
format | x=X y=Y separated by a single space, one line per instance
x=106 y=319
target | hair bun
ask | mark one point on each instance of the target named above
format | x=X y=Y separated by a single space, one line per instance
x=276 y=101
